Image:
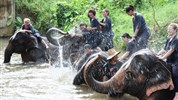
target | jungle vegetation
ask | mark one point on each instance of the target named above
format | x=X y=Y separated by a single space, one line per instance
x=64 y=14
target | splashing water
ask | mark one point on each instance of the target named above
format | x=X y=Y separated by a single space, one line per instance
x=60 y=55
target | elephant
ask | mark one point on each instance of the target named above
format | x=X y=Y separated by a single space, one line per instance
x=72 y=43
x=79 y=77
x=27 y=45
x=143 y=76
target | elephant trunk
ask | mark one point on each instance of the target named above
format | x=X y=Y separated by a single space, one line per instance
x=51 y=39
x=108 y=87
x=8 y=54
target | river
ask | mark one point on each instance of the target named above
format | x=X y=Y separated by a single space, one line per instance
x=42 y=82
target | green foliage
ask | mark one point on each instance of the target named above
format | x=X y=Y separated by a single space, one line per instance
x=64 y=14
x=18 y=22
x=41 y=12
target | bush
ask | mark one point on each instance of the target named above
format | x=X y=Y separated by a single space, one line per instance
x=65 y=15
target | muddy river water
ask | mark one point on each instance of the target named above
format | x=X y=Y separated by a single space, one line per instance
x=41 y=82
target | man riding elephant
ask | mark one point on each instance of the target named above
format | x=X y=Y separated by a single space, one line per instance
x=27 y=27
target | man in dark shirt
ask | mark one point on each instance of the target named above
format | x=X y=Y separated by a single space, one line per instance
x=140 y=28
x=170 y=53
x=112 y=66
x=27 y=27
x=131 y=47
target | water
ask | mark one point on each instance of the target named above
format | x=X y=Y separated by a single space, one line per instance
x=41 y=82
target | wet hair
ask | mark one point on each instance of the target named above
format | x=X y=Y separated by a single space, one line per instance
x=106 y=10
x=83 y=24
x=87 y=46
x=92 y=11
x=130 y=7
x=126 y=35
x=174 y=25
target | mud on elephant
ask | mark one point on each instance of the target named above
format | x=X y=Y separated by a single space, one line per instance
x=143 y=76
x=27 y=45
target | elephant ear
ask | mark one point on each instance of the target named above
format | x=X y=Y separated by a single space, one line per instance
x=159 y=78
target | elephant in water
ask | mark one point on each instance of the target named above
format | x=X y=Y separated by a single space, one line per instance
x=72 y=45
x=30 y=49
x=143 y=76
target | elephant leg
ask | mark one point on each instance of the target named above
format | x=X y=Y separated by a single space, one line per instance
x=38 y=55
x=26 y=57
x=8 y=53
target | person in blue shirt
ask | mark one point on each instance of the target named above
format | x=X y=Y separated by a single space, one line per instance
x=106 y=29
x=94 y=28
x=170 y=53
x=27 y=27
x=140 y=28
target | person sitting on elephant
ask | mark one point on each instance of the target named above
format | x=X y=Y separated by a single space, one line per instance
x=88 y=49
x=107 y=33
x=130 y=48
x=85 y=33
x=27 y=27
x=170 y=53
x=112 y=66
x=94 y=29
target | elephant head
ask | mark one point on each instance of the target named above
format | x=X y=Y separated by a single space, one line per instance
x=143 y=76
x=20 y=43
x=72 y=45
x=80 y=66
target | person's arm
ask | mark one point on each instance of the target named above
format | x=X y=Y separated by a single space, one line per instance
x=167 y=54
x=107 y=24
x=136 y=32
x=173 y=47
x=29 y=31
x=101 y=23
x=162 y=51
x=91 y=28
x=139 y=19
x=125 y=55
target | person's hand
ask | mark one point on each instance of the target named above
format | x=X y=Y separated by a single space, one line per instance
x=23 y=31
x=89 y=28
x=134 y=36
x=118 y=59
x=159 y=57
